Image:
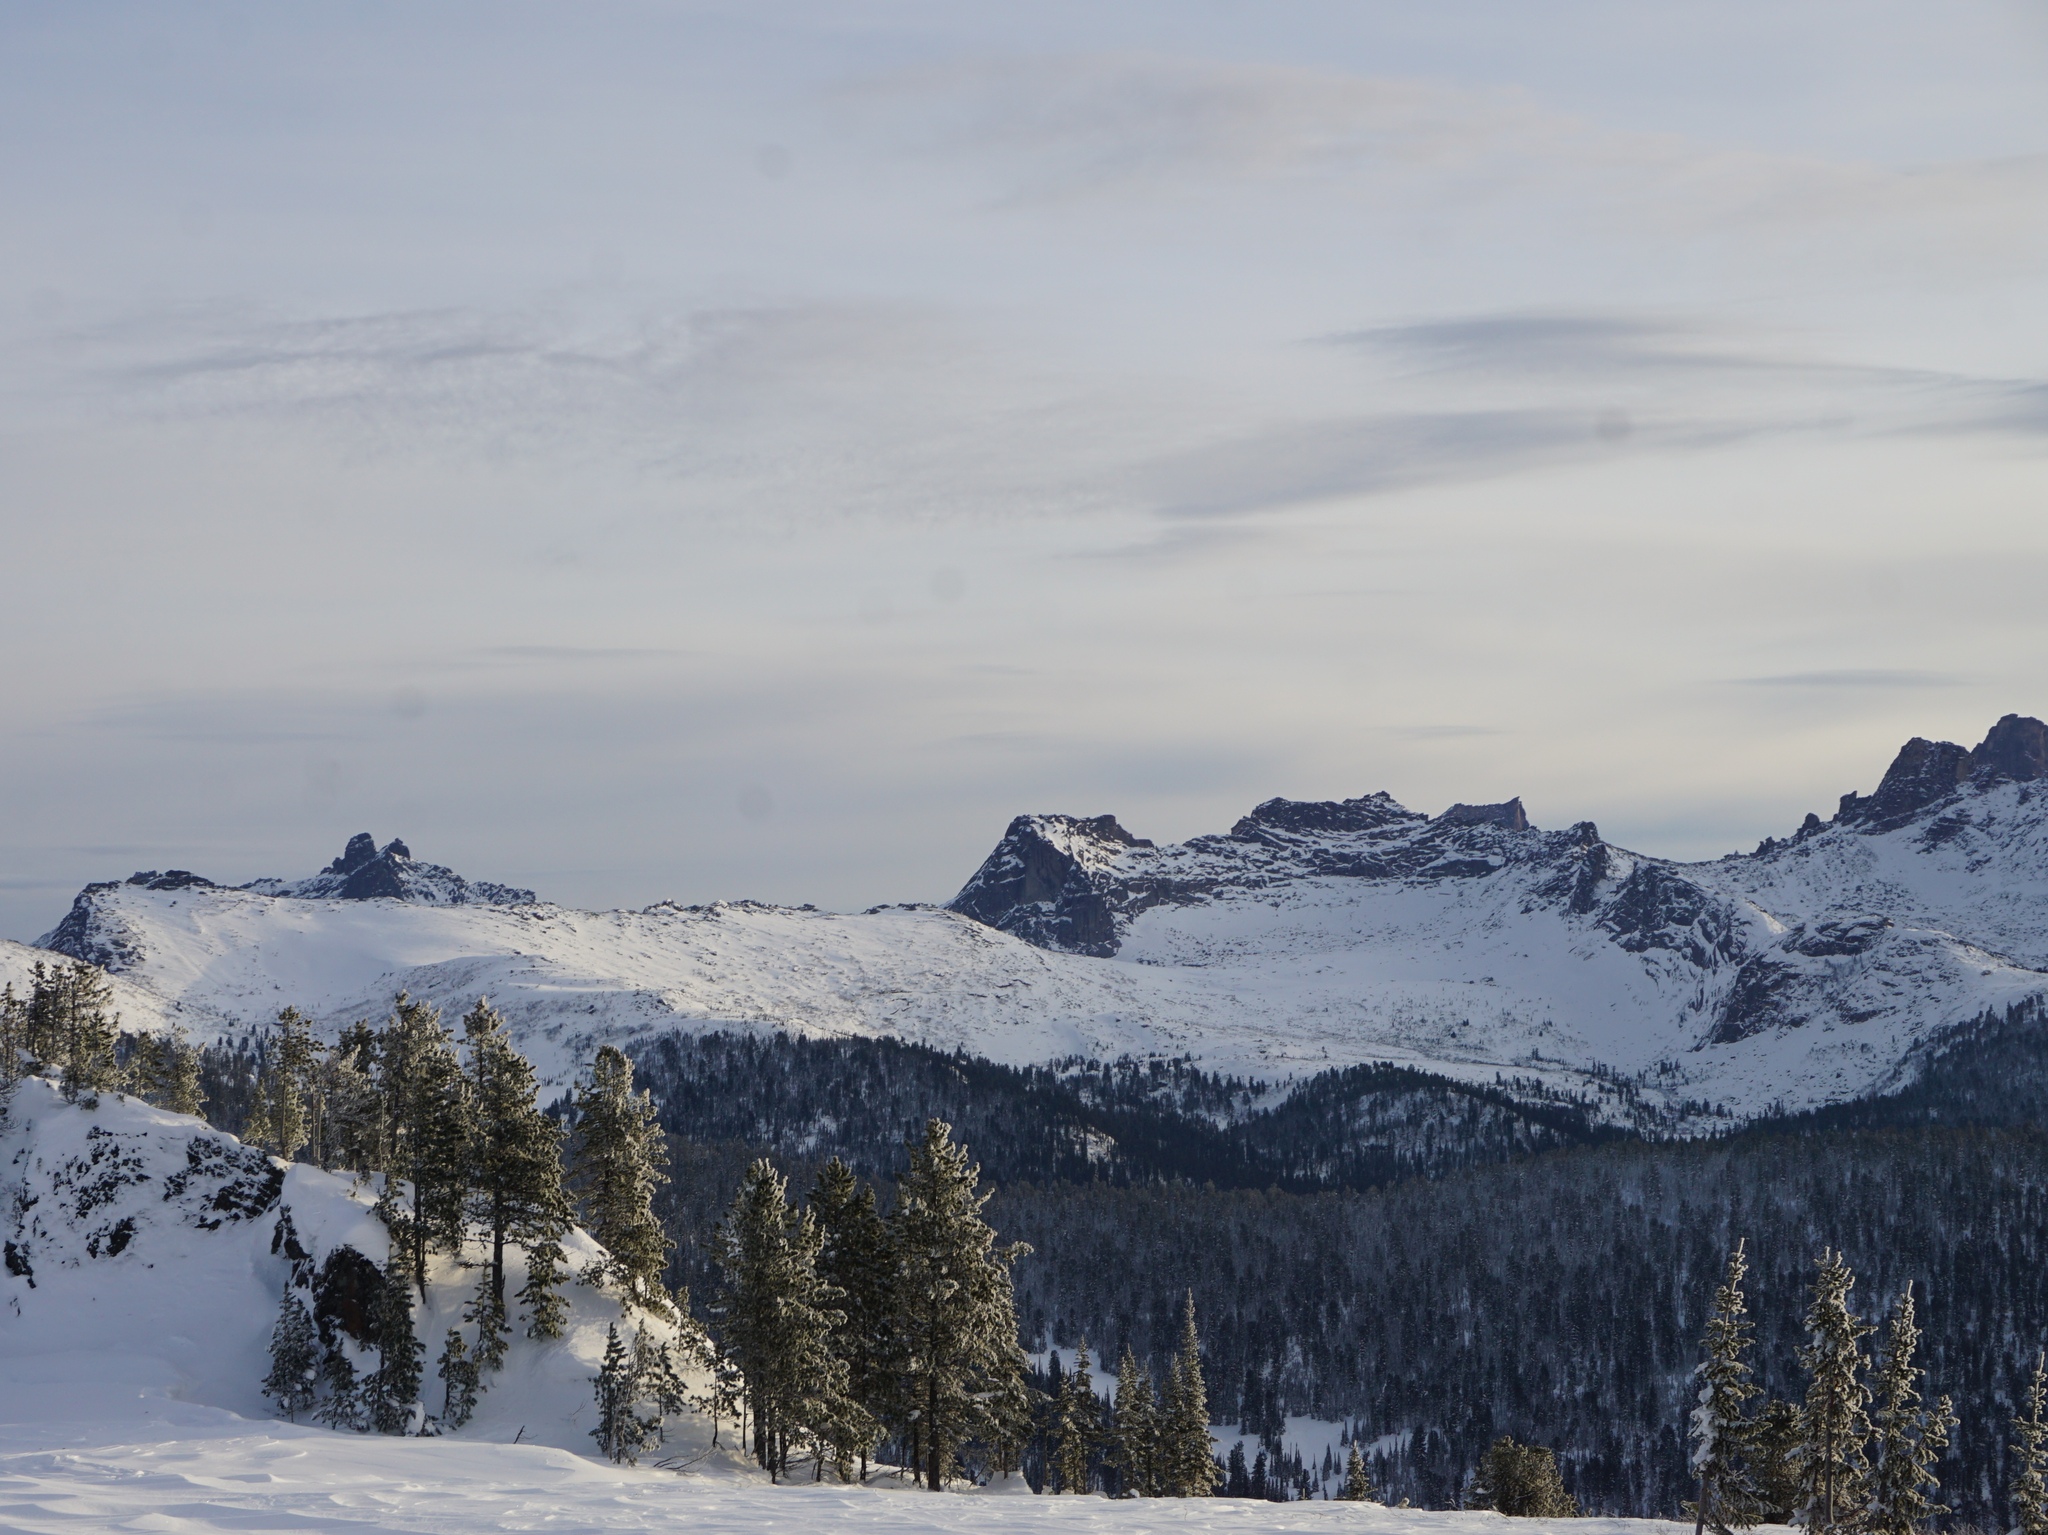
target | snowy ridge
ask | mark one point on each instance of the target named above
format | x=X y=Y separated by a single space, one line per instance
x=148 y=1252
x=1310 y=935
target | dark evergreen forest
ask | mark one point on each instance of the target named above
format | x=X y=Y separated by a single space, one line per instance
x=1427 y=1259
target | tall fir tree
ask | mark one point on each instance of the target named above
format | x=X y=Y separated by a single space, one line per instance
x=620 y=1163
x=856 y=1257
x=428 y=1117
x=1188 y=1464
x=1357 y=1486
x=1721 y=1430
x=2029 y=1490
x=68 y=1026
x=282 y=1122
x=349 y=1108
x=1834 y=1451
x=392 y=1393
x=165 y=1070
x=1075 y=1425
x=1134 y=1428
x=515 y=1155
x=779 y=1319
x=294 y=1358
x=621 y=1432
x=1907 y=1439
x=957 y=1317
x=460 y=1381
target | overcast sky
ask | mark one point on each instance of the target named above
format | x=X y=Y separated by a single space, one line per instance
x=668 y=450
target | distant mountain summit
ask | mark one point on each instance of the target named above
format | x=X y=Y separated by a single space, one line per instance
x=363 y=872
x=1820 y=967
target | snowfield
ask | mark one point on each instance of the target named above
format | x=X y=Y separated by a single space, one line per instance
x=1311 y=935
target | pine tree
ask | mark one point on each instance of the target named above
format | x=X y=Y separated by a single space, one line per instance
x=392 y=1393
x=281 y=1124
x=957 y=1316
x=1721 y=1433
x=857 y=1259
x=779 y=1317
x=621 y=1162
x=621 y=1432
x=541 y=1295
x=67 y=1026
x=14 y=1062
x=1907 y=1439
x=1833 y=1456
x=165 y=1071
x=1778 y=1433
x=428 y=1114
x=1187 y=1464
x=2029 y=1494
x=460 y=1381
x=349 y=1110
x=1075 y=1425
x=294 y=1358
x=516 y=1191
x=486 y=1312
x=660 y=1383
x=1134 y=1428
x=343 y=1407
x=1357 y=1486
x=1522 y=1481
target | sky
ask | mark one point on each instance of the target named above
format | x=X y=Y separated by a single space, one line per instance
x=689 y=451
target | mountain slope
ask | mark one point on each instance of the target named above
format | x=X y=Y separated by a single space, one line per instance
x=1311 y=935
x=145 y=1251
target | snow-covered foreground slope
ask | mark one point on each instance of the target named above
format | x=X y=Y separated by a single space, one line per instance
x=1311 y=935
x=78 y=1459
x=145 y=1261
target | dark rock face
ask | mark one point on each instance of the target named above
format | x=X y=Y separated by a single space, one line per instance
x=170 y=879
x=1926 y=772
x=345 y=1296
x=1367 y=813
x=2015 y=748
x=1038 y=883
x=1510 y=815
x=1657 y=909
x=362 y=847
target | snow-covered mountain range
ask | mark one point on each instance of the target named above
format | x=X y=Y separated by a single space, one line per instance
x=1309 y=935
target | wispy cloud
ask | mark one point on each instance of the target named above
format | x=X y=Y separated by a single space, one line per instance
x=1858 y=677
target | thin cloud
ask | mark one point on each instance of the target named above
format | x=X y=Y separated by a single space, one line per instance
x=1857 y=677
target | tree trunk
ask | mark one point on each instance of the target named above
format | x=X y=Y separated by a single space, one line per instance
x=931 y=1437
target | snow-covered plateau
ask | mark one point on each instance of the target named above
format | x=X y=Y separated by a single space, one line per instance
x=1310 y=935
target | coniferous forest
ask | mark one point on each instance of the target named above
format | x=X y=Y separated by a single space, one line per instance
x=1447 y=1269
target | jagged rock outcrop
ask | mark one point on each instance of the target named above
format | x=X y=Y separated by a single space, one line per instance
x=367 y=872
x=94 y=931
x=1927 y=772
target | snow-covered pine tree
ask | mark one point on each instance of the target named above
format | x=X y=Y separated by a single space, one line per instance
x=1075 y=1425
x=294 y=1358
x=342 y=1390
x=460 y=1381
x=1522 y=1481
x=856 y=1258
x=541 y=1295
x=1357 y=1486
x=13 y=1039
x=779 y=1318
x=485 y=1311
x=428 y=1116
x=1774 y=1460
x=1721 y=1430
x=1187 y=1463
x=660 y=1382
x=392 y=1393
x=620 y=1163
x=1134 y=1428
x=1907 y=1439
x=282 y=1124
x=68 y=1026
x=621 y=1432
x=1833 y=1452
x=516 y=1192
x=2029 y=1494
x=350 y=1110
x=957 y=1317
x=165 y=1070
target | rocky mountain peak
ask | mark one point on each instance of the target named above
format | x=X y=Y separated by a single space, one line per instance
x=1925 y=772
x=1509 y=816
